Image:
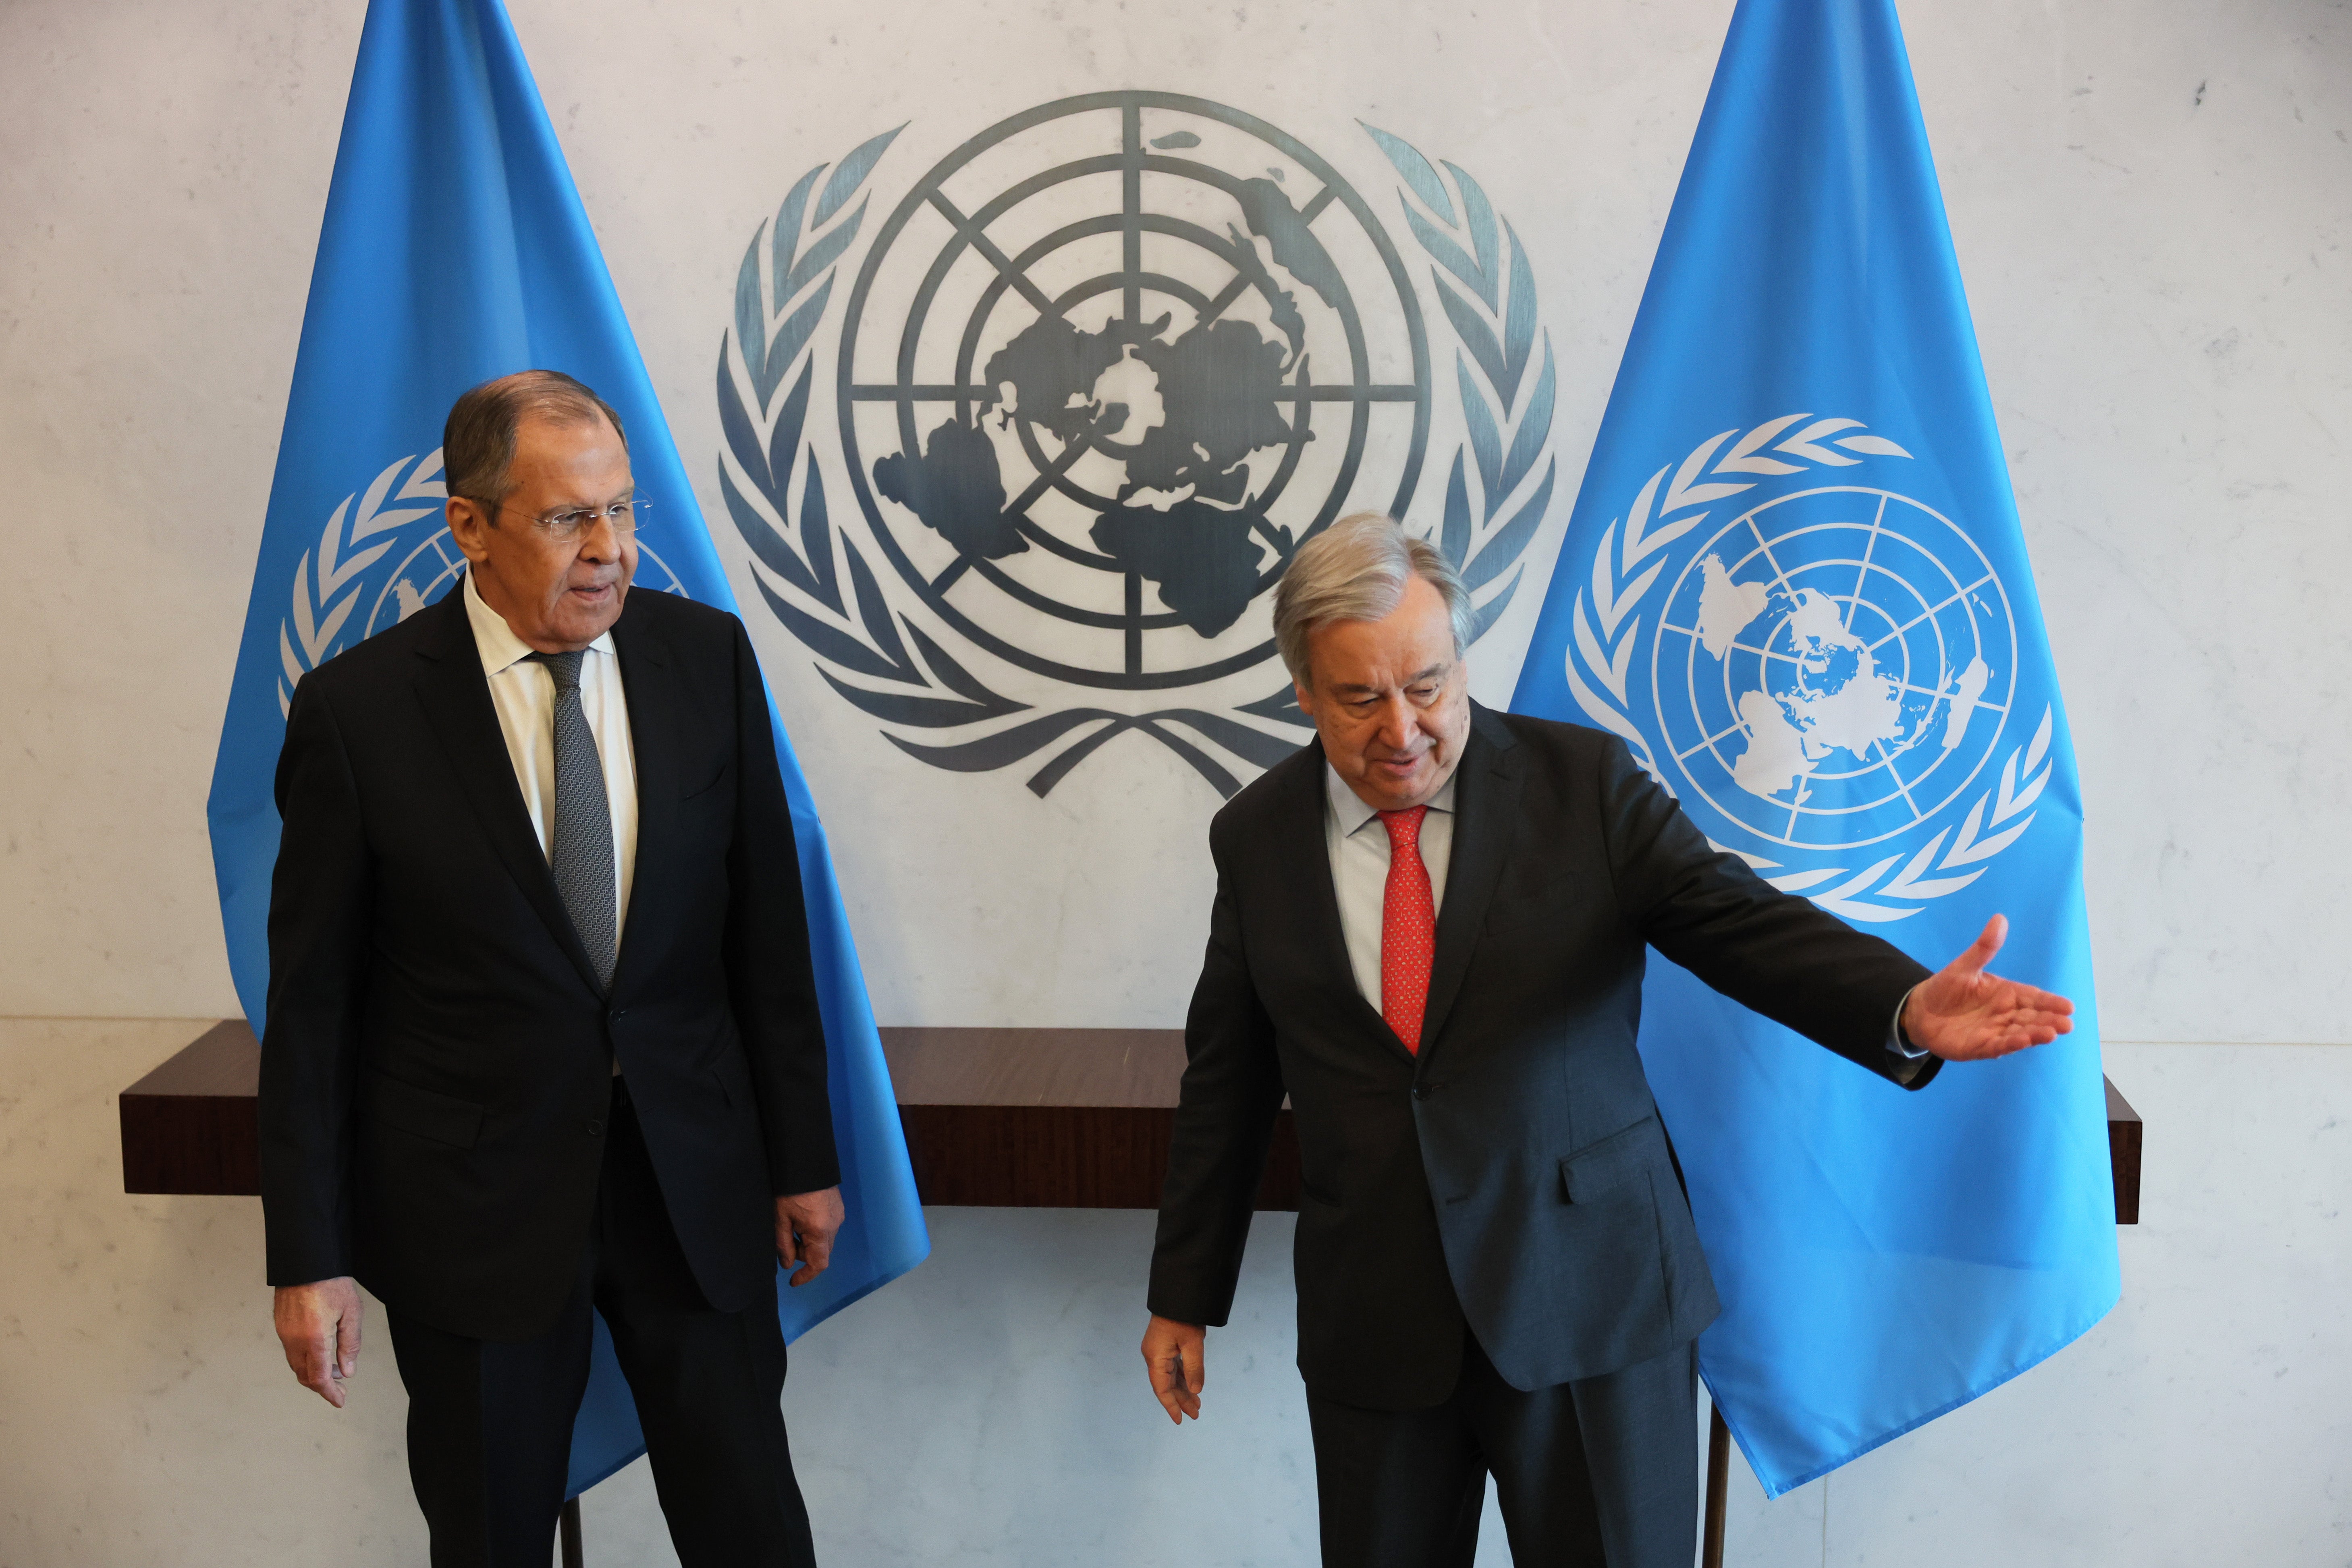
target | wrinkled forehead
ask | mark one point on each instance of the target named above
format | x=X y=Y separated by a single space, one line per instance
x=1380 y=655
x=571 y=459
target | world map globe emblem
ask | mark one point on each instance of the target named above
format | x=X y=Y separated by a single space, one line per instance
x=431 y=570
x=1134 y=374
x=1834 y=668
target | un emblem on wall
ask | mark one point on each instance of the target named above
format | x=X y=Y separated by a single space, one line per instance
x=1102 y=369
x=1148 y=378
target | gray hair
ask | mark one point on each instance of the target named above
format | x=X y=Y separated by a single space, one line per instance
x=1357 y=569
x=478 y=442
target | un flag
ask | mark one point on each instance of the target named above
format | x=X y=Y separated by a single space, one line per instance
x=454 y=249
x=1794 y=584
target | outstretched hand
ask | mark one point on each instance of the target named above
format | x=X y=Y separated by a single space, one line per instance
x=1963 y=1014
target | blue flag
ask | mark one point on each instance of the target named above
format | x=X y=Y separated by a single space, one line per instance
x=1794 y=583
x=454 y=249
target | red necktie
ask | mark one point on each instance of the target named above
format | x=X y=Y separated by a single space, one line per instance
x=1408 y=929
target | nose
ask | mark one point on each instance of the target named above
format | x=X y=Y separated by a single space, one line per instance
x=602 y=541
x=1398 y=723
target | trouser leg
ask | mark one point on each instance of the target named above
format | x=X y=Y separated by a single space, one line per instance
x=1532 y=1442
x=1604 y=1471
x=489 y=1434
x=1640 y=1427
x=707 y=1385
x=1396 y=1489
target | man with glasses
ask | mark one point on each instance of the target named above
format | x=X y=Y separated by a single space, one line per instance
x=544 y=1032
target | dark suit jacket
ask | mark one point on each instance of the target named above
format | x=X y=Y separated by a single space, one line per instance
x=1514 y=1174
x=438 y=1065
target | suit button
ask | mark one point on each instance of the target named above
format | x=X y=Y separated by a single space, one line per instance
x=1421 y=1090
x=595 y=1127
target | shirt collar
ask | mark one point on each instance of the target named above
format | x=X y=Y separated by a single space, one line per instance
x=1352 y=811
x=501 y=649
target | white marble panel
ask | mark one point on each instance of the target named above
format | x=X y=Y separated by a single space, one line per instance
x=147 y=1419
x=990 y=1408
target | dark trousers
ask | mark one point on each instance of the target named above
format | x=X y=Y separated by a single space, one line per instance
x=489 y=1422
x=1604 y=1471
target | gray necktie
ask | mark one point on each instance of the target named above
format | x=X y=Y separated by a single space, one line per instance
x=581 y=851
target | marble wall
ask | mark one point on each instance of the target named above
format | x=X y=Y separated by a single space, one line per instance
x=2151 y=202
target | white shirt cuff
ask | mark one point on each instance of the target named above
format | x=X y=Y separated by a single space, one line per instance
x=1895 y=1039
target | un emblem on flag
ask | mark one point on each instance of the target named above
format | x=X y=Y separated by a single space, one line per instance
x=1832 y=667
x=1101 y=370
x=1824 y=675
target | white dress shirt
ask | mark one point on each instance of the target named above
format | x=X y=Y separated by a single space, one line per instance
x=1359 y=847
x=523 y=693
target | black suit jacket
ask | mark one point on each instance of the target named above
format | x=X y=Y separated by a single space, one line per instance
x=437 y=1064
x=1514 y=1174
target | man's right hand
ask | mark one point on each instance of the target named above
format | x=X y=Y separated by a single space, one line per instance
x=319 y=1327
x=1173 y=1357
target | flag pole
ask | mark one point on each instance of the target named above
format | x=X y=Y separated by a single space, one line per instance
x=1718 y=1482
x=568 y=1529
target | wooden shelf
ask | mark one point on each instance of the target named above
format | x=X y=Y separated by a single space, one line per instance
x=193 y=1125
x=2123 y=1155
x=1050 y=1118
x=1012 y=1118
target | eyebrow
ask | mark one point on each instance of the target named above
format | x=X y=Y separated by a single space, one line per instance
x=629 y=492
x=1412 y=680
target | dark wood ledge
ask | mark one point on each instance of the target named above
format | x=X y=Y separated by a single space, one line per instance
x=193 y=1124
x=1017 y=1118
x=2123 y=1155
x=1050 y=1118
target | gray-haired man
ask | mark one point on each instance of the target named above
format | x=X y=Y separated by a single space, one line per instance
x=543 y=1038
x=1429 y=932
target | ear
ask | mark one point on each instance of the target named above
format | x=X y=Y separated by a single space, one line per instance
x=1305 y=695
x=469 y=525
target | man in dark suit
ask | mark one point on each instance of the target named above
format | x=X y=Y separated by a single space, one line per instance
x=543 y=1031
x=1429 y=932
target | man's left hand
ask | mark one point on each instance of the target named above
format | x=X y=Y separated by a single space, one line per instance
x=806 y=1223
x=1963 y=1014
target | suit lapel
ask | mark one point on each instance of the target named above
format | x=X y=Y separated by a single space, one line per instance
x=456 y=696
x=1305 y=839
x=649 y=683
x=1486 y=816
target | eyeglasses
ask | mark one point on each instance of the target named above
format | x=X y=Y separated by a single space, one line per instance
x=626 y=517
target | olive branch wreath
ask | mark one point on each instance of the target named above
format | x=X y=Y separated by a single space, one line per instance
x=310 y=634
x=1605 y=626
x=1507 y=432
x=795 y=546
